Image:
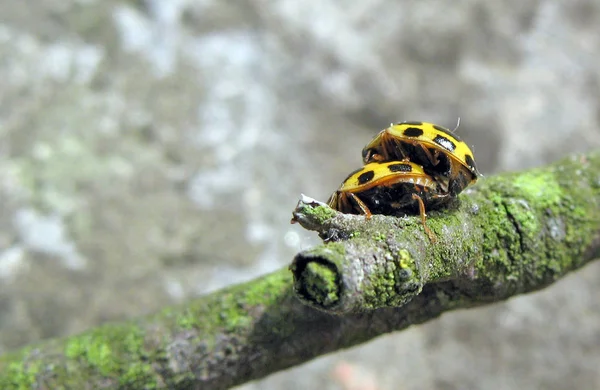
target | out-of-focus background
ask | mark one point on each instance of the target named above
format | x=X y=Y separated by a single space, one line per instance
x=152 y=151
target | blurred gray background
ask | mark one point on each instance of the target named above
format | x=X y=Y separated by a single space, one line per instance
x=152 y=151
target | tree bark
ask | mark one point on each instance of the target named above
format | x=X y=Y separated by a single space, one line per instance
x=507 y=235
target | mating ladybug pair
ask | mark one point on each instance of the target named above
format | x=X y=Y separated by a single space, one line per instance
x=408 y=166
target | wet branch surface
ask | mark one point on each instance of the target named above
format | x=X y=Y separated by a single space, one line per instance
x=508 y=235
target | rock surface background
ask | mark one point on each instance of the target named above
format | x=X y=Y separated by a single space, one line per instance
x=152 y=151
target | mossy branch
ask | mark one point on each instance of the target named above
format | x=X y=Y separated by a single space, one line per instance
x=508 y=235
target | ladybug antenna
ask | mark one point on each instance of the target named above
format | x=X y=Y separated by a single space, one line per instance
x=457 y=124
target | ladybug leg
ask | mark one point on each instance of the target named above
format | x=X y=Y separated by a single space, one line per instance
x=343 y=204
x=424 y=217
x=384 y=154
x=432 y=157
x=390 y=150
x=339 y=201
x=386 y=150
x=334 y=201
x=442 y=197
x=370 y=155
x=376 y=156
x=398 y=151
x=364 y=210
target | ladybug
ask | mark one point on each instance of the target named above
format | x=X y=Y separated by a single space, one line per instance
x=390 y=188
x=441 y=154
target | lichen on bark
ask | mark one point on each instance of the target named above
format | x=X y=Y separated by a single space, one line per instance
x=508 y=235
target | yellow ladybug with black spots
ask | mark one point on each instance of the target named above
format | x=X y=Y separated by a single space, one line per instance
x=442 y=154
x=389 y=188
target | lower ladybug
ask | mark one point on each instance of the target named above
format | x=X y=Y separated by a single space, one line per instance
x=390 y=188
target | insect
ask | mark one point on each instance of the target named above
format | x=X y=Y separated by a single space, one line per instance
x=442 y=154
x=390 y=188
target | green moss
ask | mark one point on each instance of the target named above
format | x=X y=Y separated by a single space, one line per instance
x=394 y=285
x=186 y=319
x=404 y=259
x=321 y=213
x=230 y=310
x=536 y=225
x=524 y=217
x=547 y=200
x=20 y=376
x=321 y=284
x=315 y=274
x=338 y=249
x=113 y=352
x=540 y=185
x=452 y=243
x=407 y=276
x=270 y=295
x=270 y=289
x=378 y=236
x=501 y=242
x=92 y=348
x=233 y=314
x=136 y=372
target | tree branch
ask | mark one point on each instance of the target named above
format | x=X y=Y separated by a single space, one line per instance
x=508 y=235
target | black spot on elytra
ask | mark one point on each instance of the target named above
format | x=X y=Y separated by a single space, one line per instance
x=445 y=143
x=400 y=167
x=470 y=162
x=413 y=132
x=366 y=177
x=352 y=174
